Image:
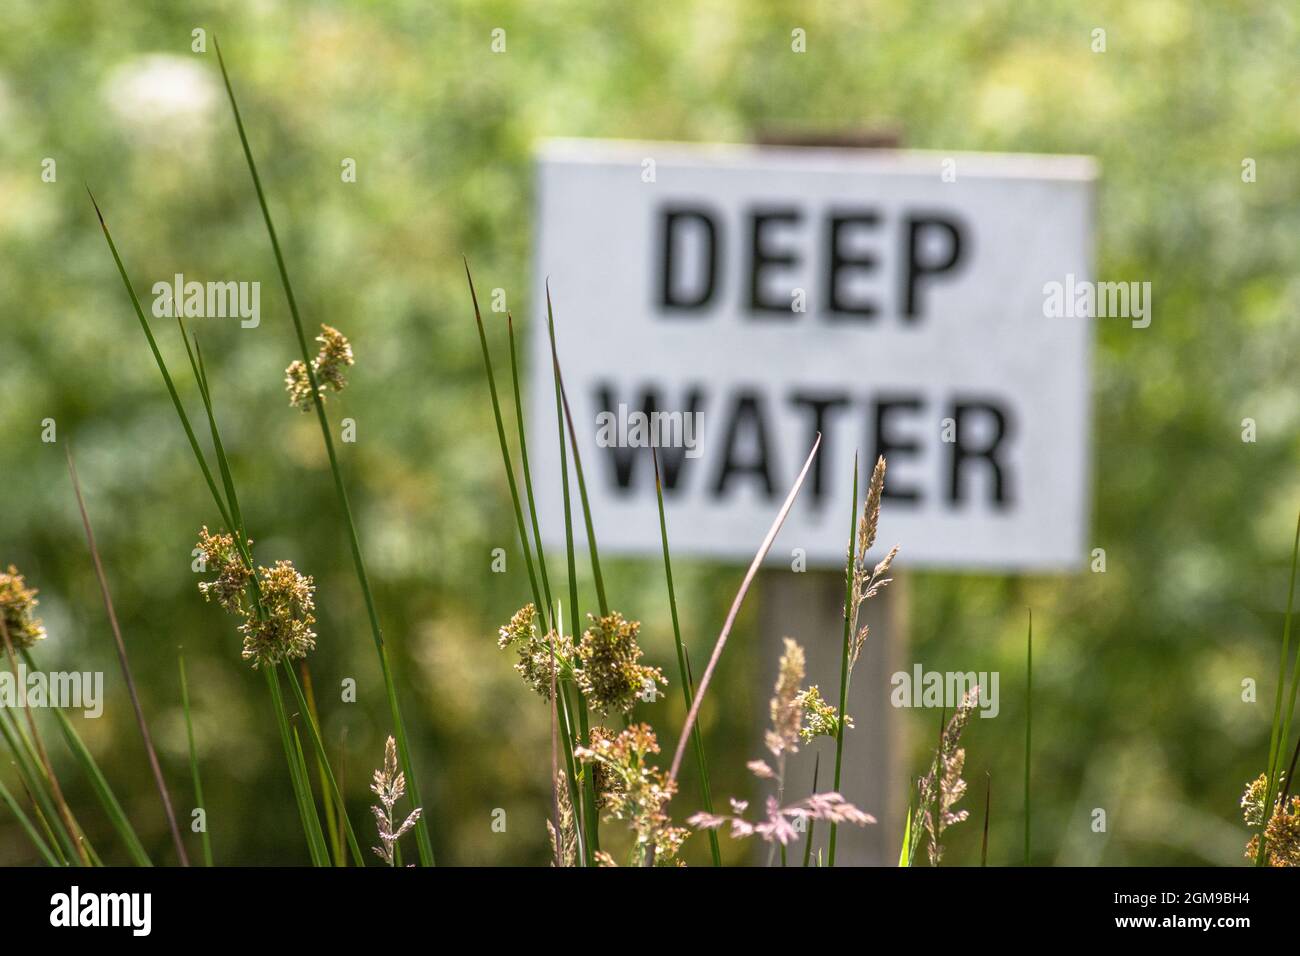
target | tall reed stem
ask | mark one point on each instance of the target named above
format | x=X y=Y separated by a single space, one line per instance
x=849 y=601
x=423 y=841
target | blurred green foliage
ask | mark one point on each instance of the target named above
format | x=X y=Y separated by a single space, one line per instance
x=1138 y=670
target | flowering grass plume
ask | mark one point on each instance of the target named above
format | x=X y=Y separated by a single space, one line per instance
x=278 y=612
x=941 y=788
x=390 y=786
x=608 y=785
x=639 y=795
x=17 y=606
x=783 y=824
x=564 y=846
x=820 y=718
x=609 y=673
x=535 y=660
x=786 y=706
x=334 y=356
x=1282 y=831
x=868 y=581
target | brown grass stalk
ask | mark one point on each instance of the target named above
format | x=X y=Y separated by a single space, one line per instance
x=64 y=810
x=154 y=766
x=766 y=546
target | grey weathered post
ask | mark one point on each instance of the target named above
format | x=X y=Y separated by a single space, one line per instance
x=808 y=607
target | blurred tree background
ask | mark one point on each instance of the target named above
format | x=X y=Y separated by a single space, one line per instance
x=1138 y=684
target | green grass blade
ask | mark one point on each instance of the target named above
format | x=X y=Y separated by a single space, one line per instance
x=162 y=367
x=309 y=721
x=154 y=766
x=576 y=797
x=844 y=651
x=577 y=463
x=988 y=797
x=297 y=776
x=334 y=826
x=112 y=807
x=108 y=800
x=563 y=714
x=422 y=838
x=589 y=790
x=592 y=817
x=543 y=609
x=714 y=850
x=299 y=779
x=1281 y=729
x=1029 y=722
x=313 y=818
x=50 y=838
x=194 y=763
x=905 y=852
x=219 y=449
x=84 y=853
x=812 y=824
x=523 y=460
x=541 y=596
x=23 y=821
x=28 y=766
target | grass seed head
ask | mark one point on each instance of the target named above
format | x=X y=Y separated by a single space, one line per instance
x=286 y=631
x=1252 y=801
x=1283 y=830
x=222 y=558
x=869 y=523
x=568 y=829
x=298 y=385
x=943 y=786
x=820 y=718
x=334 y=357
x=389 y=785
x=641 y=791
x=536 y=661
x=17 y=606
x=607 y=784
x=610 y=675
x=787 y=704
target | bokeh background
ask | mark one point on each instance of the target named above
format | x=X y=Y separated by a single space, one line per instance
x=1138 y=682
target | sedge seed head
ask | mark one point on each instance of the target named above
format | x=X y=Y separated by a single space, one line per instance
x=17 y=606
x=610 y=675
x=222 y=558
x=285 y=633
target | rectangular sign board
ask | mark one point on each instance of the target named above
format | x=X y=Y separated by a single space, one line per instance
x=729 y=302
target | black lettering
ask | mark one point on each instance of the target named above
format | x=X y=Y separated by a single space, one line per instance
x=892 y=447
x=961 y=452
x=763 y=256
x=623 y=460
x=840 y=261
x=671 y=296
x=820 y=406
x=746 y=416
x=919 y=268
